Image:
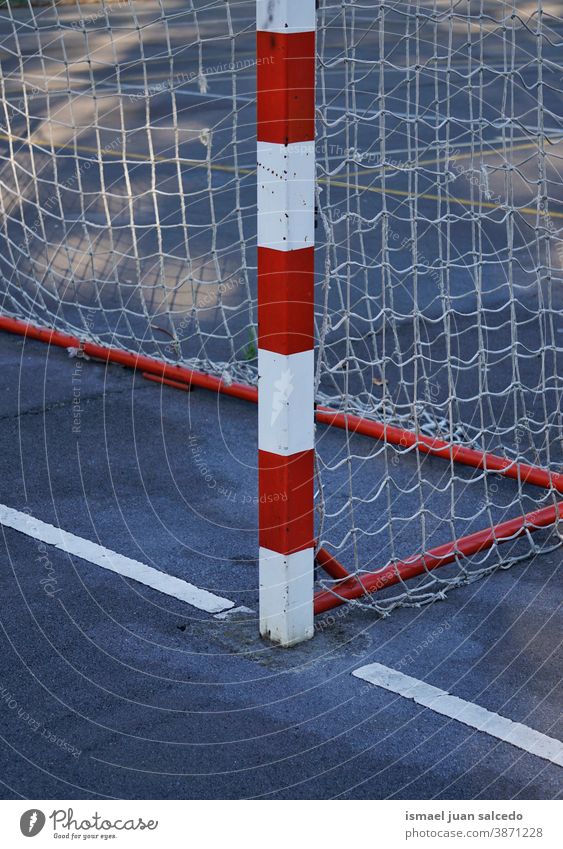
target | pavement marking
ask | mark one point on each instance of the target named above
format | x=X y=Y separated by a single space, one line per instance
x=107 y=559
x=473 y=154
x=470 y=714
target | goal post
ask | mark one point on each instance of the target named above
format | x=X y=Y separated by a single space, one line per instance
x=285 y=228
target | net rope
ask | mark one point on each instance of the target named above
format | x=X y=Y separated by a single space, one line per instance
x=128 y=205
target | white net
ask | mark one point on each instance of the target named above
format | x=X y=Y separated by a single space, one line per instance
x=128 y=206
x=127 y=173
x=440 y=143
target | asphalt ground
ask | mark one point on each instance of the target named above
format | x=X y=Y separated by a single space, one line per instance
x=110 y=689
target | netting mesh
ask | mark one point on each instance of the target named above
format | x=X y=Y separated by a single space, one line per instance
x=128 y=205
x=127 y=173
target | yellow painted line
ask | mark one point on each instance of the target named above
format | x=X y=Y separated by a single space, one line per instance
x=469 y=155
x=202 y=163
x=525 y=210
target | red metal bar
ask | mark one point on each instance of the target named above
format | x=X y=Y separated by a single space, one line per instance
x=369 y=583
x=447 y=450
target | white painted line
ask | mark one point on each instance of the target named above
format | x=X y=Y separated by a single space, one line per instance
x=100 y=556
x=470 y=714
